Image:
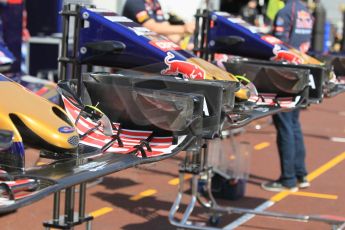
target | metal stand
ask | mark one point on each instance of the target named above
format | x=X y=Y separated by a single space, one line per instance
x=195 y=163
x=69 y=52
x=70 y=218
x=202 y=28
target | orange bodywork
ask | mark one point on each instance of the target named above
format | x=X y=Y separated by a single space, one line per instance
x=41 y=117
x=215 y=73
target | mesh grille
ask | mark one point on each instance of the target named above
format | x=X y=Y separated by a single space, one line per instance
x=73 y=140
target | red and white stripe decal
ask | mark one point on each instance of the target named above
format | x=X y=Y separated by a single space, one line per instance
x=130 y=138
x=18 y=182
x=286 y=102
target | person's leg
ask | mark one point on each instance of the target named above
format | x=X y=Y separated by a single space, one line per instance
x=12 y=28
x=286 y=147
x=300 y=166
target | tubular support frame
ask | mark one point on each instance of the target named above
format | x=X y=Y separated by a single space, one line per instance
x=195 y=163
x=70 y=219
x=71 y=11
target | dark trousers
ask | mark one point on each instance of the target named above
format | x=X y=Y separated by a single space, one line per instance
x=12 y=16
x=290 y=146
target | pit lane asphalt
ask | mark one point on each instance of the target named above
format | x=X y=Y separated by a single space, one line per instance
x=140 y=198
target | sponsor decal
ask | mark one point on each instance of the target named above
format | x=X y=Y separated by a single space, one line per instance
x=66 y=129
x=236 y=20
x=142 y=16
x=14 y=2
x=272 y=40
x=165 y=45
x=222 y=13
x=187 y=69
x=285 y=55
x=142 y=31
x=312 y=81
x=262 y=110
x=92 y=167
x=118 y=19
x=101 y=10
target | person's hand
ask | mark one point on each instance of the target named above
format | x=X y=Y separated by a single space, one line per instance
x=189 y=27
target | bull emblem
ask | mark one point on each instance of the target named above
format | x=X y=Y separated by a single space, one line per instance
x=288 y=56
x=188 y=70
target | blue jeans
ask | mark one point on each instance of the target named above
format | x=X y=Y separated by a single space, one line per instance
x=12 y=21
x=290 y=146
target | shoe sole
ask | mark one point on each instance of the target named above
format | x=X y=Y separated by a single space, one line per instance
x=304 y=185
x=295 y=189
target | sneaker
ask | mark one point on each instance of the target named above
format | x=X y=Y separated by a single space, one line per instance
x=277 y=186
x=303 y=182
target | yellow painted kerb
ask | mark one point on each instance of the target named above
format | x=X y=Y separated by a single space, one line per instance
x=176 y=181
x=143 y=194
x=312 y=176
x=262 y=145
x=101 y=212
x=316 y=195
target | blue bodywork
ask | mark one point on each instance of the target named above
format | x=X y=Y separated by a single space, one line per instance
x=3 y=78
x=224 y=25
x=13 y=158
x=17 y=148
x=108 y=26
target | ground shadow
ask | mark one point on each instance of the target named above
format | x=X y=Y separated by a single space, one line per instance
x=156 y=211
x=257 y=228
x=114 y=183
x=153 y=210
x=155 y=170
x=257 y=180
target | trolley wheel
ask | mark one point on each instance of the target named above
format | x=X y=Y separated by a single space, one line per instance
x=202 y=187
x=214 y=220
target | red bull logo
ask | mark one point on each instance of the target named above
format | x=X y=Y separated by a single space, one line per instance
x=285 y=55
x=303 y=15
x=304 y=20
x=187 y=69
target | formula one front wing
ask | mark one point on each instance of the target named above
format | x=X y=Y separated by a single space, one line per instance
x=34 y=184
x=336 y=84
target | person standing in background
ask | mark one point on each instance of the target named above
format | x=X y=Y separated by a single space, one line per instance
x=149 y=13
x=11 y=13
x=273 y=7
x=293 y=24
x=249 y=13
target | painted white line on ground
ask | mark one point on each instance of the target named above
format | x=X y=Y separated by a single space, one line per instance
x=245 y=218
x=338 y=139
x=312 y=176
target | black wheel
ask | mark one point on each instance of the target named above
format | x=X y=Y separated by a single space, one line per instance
x=214 y=220
x=202 y=186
